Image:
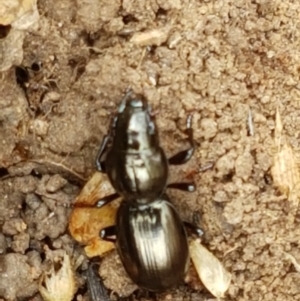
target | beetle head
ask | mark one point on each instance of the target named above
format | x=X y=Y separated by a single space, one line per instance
x=136 y=124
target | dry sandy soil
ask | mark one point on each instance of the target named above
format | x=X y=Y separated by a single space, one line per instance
x=232 y=64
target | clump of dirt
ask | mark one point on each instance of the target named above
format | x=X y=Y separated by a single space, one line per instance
x=232 y=64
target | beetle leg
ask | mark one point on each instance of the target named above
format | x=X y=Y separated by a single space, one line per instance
x=109 y=234
x=99 y=162
x=185 y=186
x=107 y=199
x=96 y=288
x=100 y=165
x=185 y=155
x=194 y=228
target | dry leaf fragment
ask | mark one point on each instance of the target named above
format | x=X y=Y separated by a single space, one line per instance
x=96 y=188
x=59 y=285
x=86 y=221
x=210 y=270
x=152 y=37
x=285 y=170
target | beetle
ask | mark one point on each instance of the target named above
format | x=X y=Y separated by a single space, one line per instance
x=132 y=157
x=150 y=236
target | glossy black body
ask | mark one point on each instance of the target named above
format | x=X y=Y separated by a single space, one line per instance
x=135 y=163
x=150 y=236
x=152 y=244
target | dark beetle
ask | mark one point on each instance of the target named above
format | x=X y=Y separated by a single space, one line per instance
x=135 y=163
x=151 y=238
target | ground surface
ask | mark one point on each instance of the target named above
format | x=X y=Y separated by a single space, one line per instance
x=230 y=63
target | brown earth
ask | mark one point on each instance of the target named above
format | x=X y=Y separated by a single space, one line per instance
x=231 y=63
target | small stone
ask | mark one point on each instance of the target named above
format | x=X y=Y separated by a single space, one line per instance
x=20 y=243
x=13 y=226
x=55 y=183
x=210 y=128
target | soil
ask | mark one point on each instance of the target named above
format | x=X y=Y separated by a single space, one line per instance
x=233 y=64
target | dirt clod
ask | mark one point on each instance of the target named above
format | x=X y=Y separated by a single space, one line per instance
x=16 y=278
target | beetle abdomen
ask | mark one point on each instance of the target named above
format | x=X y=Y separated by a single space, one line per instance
x=152 y=244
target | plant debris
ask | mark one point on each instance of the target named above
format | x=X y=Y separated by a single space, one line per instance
x=210 y=270
x=87 y=220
